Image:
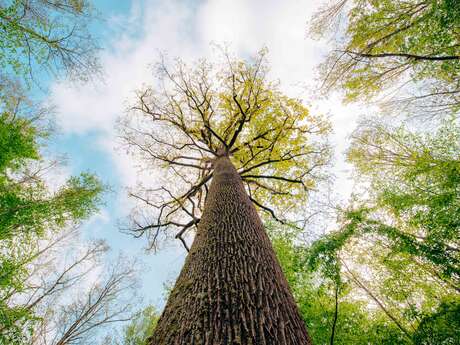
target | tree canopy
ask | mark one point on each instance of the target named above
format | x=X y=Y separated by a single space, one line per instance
x=398 y=241
x=27 y=206
x=39 y=269
x=51 y=36
x=44 y=260
x=396 y=245
x=195 y=114
x=403 y=51
x=415 y=182
x=332 y=310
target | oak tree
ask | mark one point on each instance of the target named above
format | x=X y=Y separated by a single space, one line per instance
x=230 y=141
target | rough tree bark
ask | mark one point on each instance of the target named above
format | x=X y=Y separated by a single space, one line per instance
x=231 y=289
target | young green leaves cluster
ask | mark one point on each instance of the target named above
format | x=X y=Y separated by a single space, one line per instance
x=408 y=50
x=26 y=205
x=196 y=114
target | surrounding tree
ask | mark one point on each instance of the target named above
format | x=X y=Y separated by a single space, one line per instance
x=441 y=327
x=414 y=192
x=49 y=289
x=34 y=217
x=67 y=295
x=43 y=35
x=109 y=299
x=405 y=52
x=399 y=244
x=231 y=128
x=31 y=275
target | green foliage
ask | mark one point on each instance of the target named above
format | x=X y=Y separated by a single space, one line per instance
x=314 y=293
x=138 y=330
x=36 y=37
x=16 y=324
x=415 y=180
x=389 y=42
x=141 y=327
x=442 y=327
x=32 y=209
x=398 y=243
x=403 y=236
x=17 y=143
x=26 y=203
x=29 y=211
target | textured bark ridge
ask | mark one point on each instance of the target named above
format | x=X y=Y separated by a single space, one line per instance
x=231 y=289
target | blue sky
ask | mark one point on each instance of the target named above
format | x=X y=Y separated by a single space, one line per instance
x=132 y=35
x=84 y=154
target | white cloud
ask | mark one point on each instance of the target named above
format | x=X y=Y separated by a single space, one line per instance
x=126 y=66
x=279 y=25
x=178 y=30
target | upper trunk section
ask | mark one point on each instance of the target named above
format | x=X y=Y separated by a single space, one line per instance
x=231 y=289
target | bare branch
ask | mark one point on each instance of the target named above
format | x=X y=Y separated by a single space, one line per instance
x=268 y=210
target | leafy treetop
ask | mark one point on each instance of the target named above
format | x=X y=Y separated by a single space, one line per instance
x=196 y=114
x=27 y=205
x=396 y=45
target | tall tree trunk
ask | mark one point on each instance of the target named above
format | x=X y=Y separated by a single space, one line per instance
x=231 y=289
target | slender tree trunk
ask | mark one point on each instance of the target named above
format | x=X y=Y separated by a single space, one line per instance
x=336 y=314
x=231 y=289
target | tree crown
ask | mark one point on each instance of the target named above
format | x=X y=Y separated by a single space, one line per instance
x=409 y=48
x=196 y=114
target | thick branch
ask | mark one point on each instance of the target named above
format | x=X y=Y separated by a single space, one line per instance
x=240 y=125
x=280 y=178
x=405 y=55
x=268 y=210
